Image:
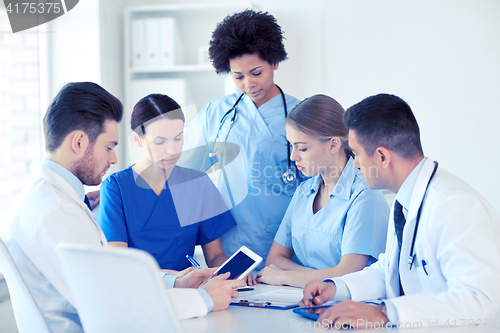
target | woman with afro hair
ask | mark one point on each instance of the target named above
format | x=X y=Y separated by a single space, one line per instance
x=249 y=46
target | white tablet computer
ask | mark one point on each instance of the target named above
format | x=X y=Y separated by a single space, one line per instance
x=240 y=264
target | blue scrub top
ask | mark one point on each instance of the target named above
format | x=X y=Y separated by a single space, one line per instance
x=353 y=222
x=261 y=138
x=188 y=212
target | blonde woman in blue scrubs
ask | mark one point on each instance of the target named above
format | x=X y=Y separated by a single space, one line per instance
x=334 y=224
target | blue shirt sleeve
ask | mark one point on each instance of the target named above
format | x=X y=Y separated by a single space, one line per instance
x=366 y=225
x=206 y=297
x=169 y=280
x=111 y=216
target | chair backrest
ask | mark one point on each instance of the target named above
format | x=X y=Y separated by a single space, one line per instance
x=117 y=290
x=28 y=316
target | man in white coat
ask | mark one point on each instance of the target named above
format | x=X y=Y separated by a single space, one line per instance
x=448 y=270
x=81 y=133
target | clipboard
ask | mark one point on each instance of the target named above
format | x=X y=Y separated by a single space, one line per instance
x=263 y=304
x=281 y=299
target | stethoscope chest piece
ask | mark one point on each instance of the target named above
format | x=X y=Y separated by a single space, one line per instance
x=289 y=176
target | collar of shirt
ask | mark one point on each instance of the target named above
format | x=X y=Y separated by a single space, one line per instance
x=406 y=190
x=343 y=187
x=75 y=183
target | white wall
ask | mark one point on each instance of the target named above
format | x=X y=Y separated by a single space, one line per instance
x=442 y=57
x=70 y=51
x=86 y=44
x=112 y=61
x=74 y=50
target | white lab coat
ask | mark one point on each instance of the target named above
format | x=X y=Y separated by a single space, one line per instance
x=458 y=238
x=49 y=212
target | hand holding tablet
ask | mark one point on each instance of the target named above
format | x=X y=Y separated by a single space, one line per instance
x=240 y=264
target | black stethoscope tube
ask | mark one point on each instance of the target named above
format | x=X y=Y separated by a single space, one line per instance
x=412 y=256
x=289 y=176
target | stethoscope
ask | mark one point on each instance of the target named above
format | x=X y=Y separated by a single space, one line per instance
x=289 y=175
x=412 y=255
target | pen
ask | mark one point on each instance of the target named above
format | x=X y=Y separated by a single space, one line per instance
x=423 y=266
x=193 y=261
x=311 y=298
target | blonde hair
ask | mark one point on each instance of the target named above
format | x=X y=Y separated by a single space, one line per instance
x=320 y=117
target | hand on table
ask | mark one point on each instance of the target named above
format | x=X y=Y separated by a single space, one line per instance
x=193 y=277
x=221 y=290
x=250 y=280
x=271 y=274
x=350 y=314
x=96 y=196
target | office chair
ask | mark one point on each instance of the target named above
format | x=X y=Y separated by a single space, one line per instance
x=26 y=311
x=117 y=290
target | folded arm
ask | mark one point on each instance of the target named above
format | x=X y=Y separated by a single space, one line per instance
x=299 y=278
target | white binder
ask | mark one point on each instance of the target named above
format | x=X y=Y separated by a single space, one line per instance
x=152 y=36
x=167 y=42
x=137 y=41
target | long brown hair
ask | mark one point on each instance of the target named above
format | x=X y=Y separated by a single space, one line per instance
x=320 y=117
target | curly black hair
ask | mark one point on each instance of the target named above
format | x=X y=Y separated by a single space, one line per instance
x=247 y=32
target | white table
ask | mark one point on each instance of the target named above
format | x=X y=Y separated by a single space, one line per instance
x=240 y=319
x=247 y=319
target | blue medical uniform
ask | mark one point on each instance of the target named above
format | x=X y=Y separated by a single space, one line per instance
x=354 y=221
x=261 y=138
x=188 y=212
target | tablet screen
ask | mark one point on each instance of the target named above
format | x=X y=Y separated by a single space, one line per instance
x=237 y=265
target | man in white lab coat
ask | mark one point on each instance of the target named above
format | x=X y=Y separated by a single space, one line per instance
x=81 y=133
x=448 y=270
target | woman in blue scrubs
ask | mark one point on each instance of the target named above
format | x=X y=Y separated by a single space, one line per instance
x=249 y=46
x=157 y=206
x=334 y=224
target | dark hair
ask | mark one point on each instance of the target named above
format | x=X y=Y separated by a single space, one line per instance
x=385 y=121
x=81 y=106
x=247 y=32
x=150 y=108
x=320 y=117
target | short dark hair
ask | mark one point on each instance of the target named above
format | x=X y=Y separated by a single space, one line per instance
x=150 y=108
x=81 y=106
x=247 y=32
x=385 y=121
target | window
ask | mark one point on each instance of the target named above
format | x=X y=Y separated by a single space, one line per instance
x=20 y=116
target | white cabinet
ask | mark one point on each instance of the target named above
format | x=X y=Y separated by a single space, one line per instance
x=166 y=50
